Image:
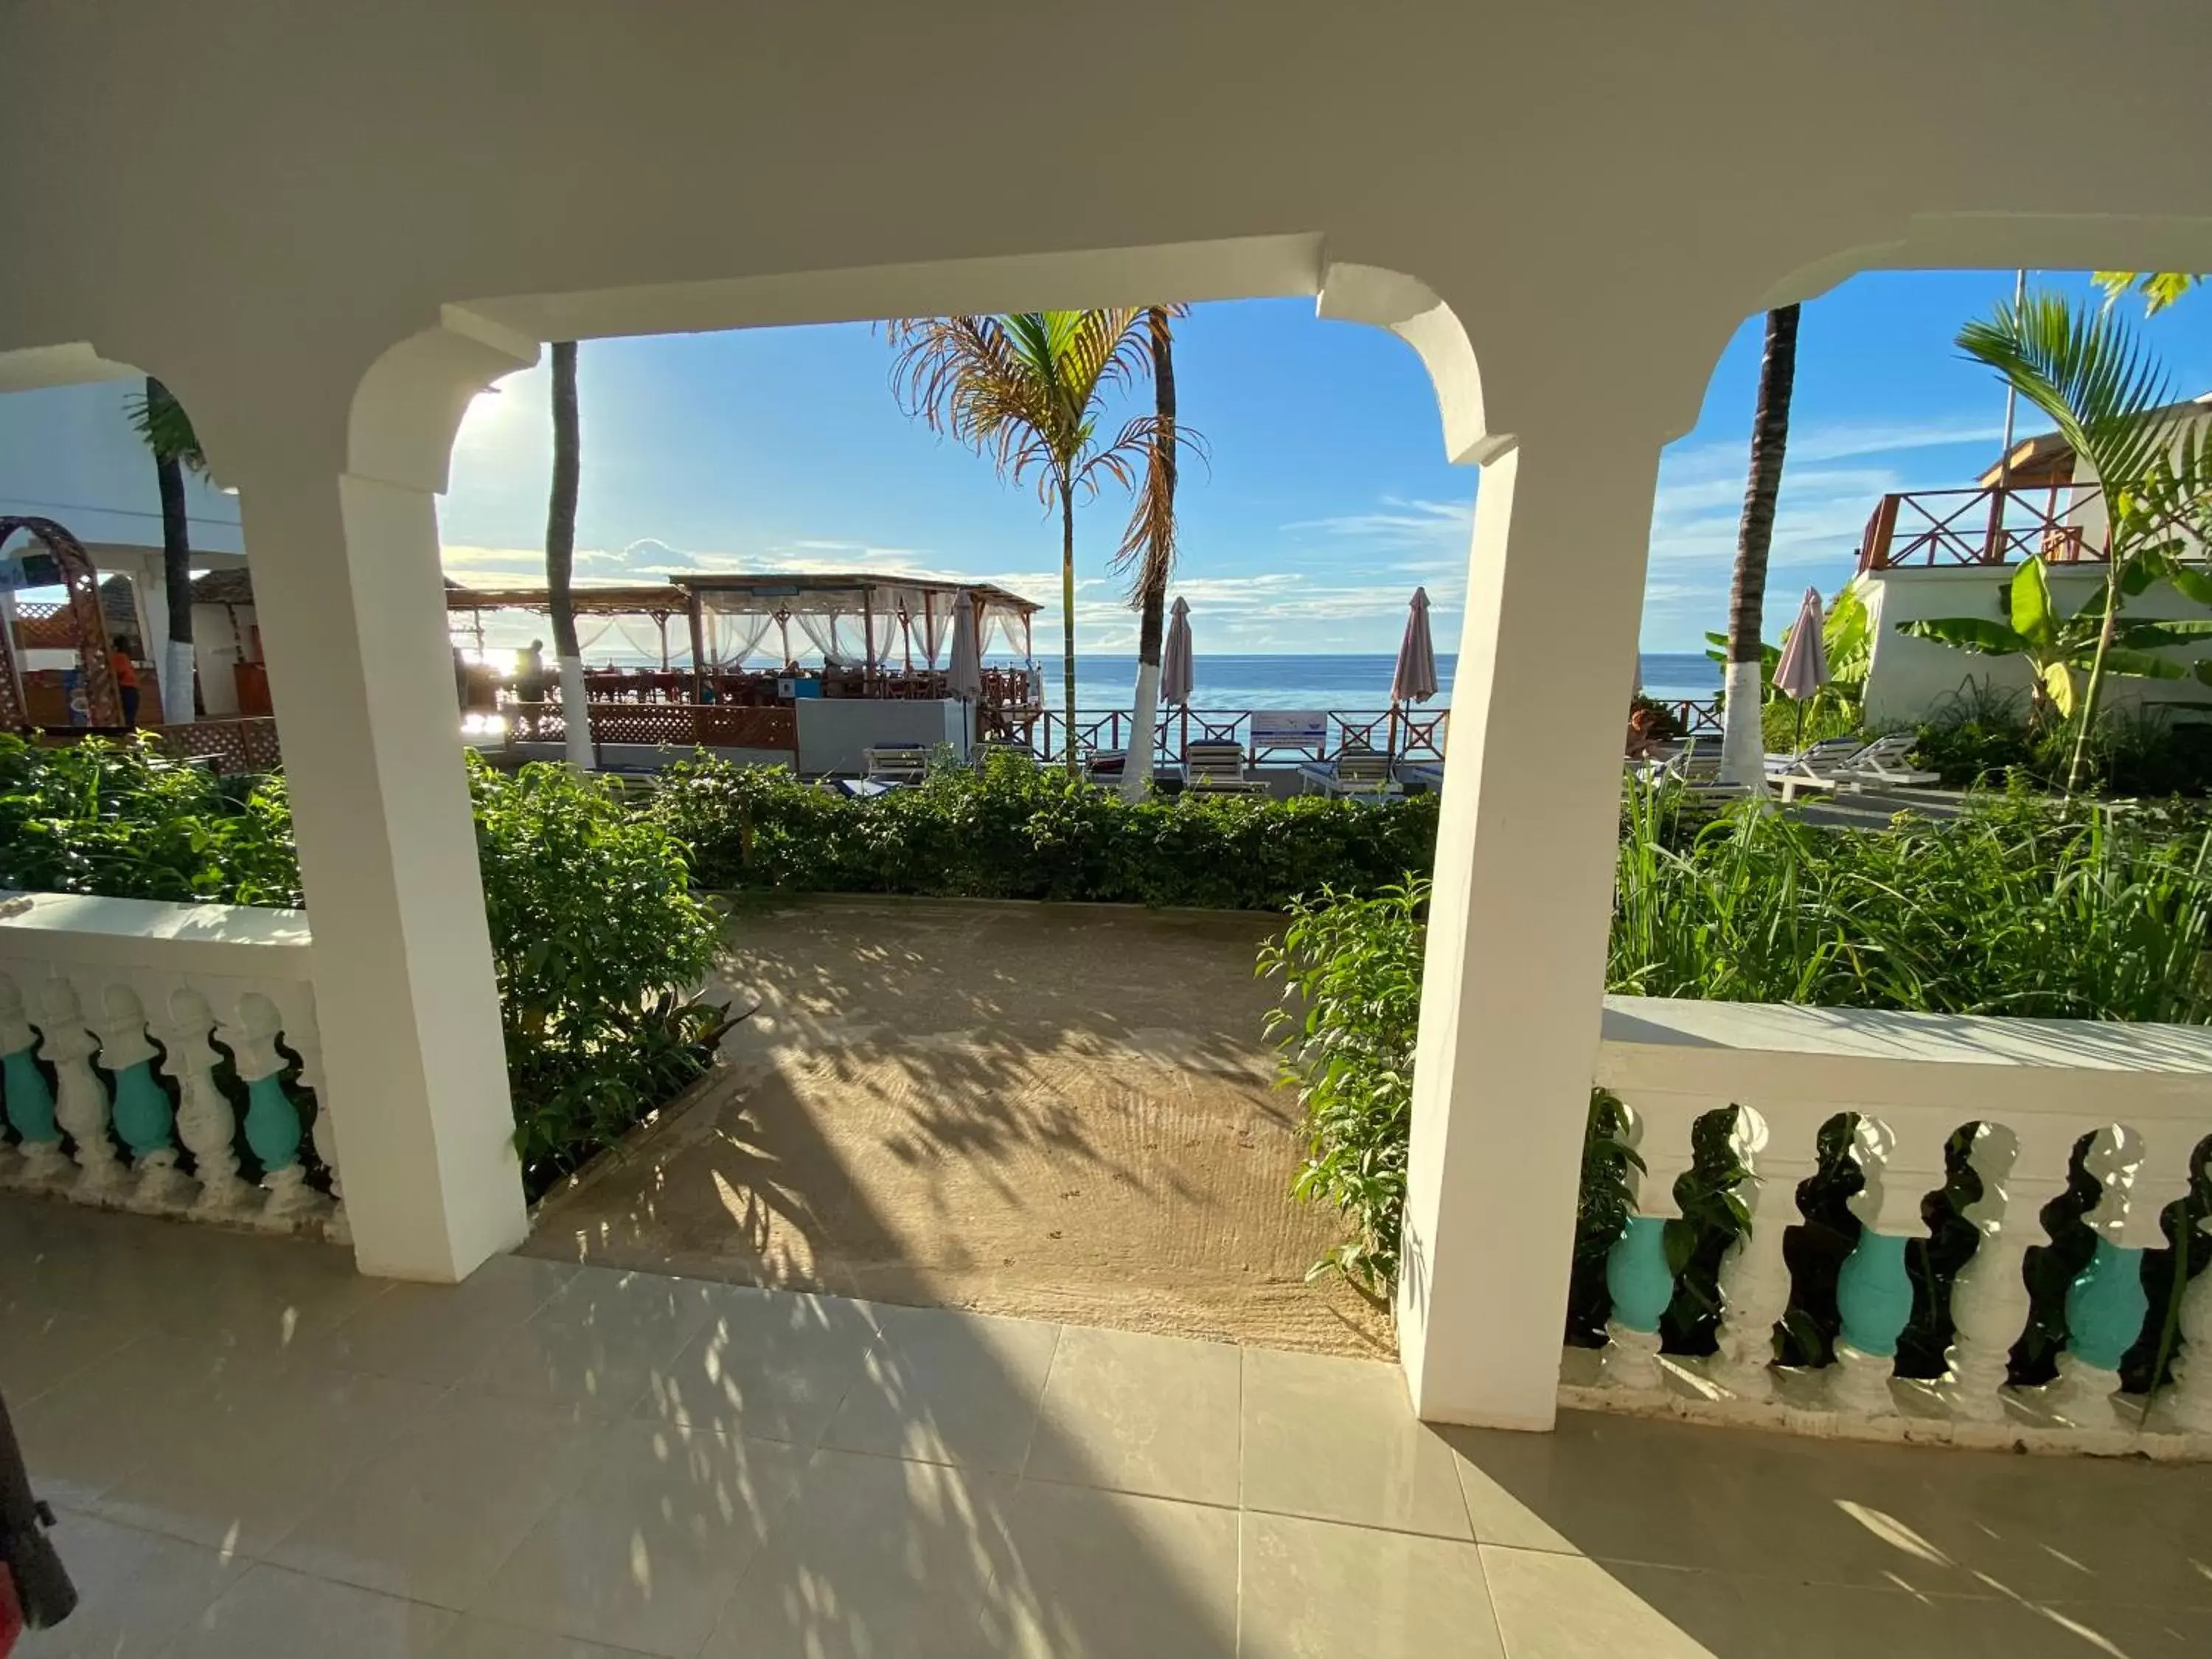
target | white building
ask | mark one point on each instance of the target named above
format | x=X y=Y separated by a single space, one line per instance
x=1940 y=553
x=70 y=454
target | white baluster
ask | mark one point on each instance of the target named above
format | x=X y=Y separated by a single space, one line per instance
x=1989 y=1303
x=297 y=1002
x=272 y=1120
x=143 y=1115
x=2165 y=1149
x=40 y=1161
x=1635 y=1269
x=1755 y=1276
x=80 y=1097
x=1874 y=1293
x=2104 y=1305
x=2187 y=1404
x=204 y=1121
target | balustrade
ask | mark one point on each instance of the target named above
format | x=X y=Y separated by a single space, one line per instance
x=2086 y=1143
x=163 y=1059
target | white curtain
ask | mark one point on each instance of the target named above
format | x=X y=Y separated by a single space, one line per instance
x=886 y=625
x=590 y=632
x=822 y=634
x=731 y=638
x=932 y=626
x=642 y=638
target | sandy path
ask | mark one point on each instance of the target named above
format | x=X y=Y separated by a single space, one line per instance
x=1054 y=1111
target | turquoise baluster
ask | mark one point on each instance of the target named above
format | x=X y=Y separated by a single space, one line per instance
x=272 y=1120
x=30 y=1102
x=1873 y=1292
x=141 y=1113
x=2105 y=1304
x=1637 y=1275
x=2105 y=1307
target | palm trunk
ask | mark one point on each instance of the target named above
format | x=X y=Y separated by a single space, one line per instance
x=1744 y=750
x=177 y=700
x=560 y=556
x=1067 y=618
x=1159 y=559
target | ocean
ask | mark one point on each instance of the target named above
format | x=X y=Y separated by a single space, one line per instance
x=1327 y=683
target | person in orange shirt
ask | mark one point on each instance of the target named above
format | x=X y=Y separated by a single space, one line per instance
x=126 y=677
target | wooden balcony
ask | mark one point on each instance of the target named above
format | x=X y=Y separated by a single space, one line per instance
x=1935 y=529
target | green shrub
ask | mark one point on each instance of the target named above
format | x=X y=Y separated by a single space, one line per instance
x=2022 y=906
x=598 y=943
x=1010 y=829
x=1785 y=726
x=123 y=820
x=1983 y=737
x=1353 y=966
x=596 y=937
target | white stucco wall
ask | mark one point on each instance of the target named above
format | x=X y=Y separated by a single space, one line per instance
x=1908 y=678
x=70 y=454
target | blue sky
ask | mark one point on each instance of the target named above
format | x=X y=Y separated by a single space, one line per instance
x=1327 y=498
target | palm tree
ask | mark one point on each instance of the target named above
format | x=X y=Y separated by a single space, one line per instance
x=1027 y=390
x=2112 y=403
x=1743 y=750
x=2161 y=288
x=168 y=430
x=1148 y=547
x=561 y=557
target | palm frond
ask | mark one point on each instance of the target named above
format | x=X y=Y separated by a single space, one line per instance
x=160 y=420
x=2087 y=371
x=2161 y=288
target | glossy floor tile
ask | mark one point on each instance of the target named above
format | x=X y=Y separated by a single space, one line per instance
x=256 y=1453
x=1333 y=1439
x=1102 y=1422
x=946 y=1387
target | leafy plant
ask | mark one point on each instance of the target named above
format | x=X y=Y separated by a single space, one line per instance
x=2057 y=647
x=1351 y=973
x=596 y=938
x=598 y=945
x=1010 y=829
x=2112 y=405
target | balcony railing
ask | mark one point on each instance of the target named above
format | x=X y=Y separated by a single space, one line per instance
x=1416 y=735
x=163 y=1058
x=1936 y=528
x=1998 y=1116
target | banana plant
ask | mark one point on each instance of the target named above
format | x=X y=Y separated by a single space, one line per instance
x=2058 y=646
x=2113 y=406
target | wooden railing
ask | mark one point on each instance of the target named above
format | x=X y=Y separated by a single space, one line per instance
x=1697 y=717
x=230 y=747
x=663 y=724
x=1935 y=528
x=1403 y=734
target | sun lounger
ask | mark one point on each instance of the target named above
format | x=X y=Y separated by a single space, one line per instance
x=1881 y=763
x=1422 y=775
x=1219 y=769
x=1356 y=770
x=896 y=763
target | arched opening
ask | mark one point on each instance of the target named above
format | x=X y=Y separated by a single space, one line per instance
x=88 y=625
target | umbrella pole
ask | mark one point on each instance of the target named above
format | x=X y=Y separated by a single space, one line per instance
x=1801 y=724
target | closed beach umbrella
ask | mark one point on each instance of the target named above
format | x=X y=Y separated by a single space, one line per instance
x=964 y=677
x=1174 y=659
x=1803 y=669
x=1416 y=678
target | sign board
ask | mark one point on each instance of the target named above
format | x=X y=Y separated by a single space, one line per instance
x=1290 y=728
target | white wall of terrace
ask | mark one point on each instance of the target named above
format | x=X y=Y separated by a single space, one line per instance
x=388 y=207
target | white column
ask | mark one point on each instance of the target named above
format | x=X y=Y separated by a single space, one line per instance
x=338 y=515
x=1525 y=848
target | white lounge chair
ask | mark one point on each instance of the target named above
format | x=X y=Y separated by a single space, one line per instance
x=1879 y=764
x=1219 y=769
x=1422 y=775
x=1355 y=770
x=896 y=763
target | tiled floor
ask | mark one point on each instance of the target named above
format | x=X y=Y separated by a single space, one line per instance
x=257 y=1453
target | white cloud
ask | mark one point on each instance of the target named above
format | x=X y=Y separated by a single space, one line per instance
x=1398 y=522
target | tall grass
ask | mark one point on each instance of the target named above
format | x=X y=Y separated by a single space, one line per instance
x=2017 y=907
